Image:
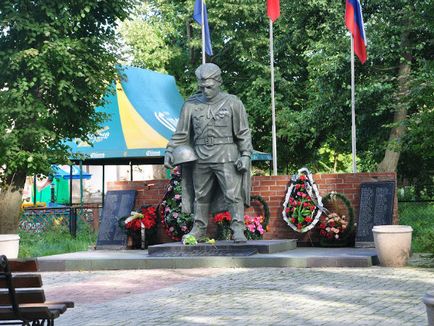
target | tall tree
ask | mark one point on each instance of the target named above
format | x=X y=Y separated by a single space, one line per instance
x=312 y=60
x=56 y=60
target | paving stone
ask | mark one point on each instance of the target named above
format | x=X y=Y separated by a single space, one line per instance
x=243 y=296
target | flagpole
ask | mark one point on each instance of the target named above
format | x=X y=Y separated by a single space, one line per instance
x=273 y=105
x=203 y=31
x=353 y=109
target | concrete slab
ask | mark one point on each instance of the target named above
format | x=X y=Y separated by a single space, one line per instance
x=140 y=259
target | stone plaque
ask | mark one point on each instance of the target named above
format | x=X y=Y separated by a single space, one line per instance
x=376 y=208
x=117 y=204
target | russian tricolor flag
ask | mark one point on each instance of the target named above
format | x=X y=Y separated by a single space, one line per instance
x=354 y=22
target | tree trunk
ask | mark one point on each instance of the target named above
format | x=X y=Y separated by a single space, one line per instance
x=393 y=150
x=17 y=180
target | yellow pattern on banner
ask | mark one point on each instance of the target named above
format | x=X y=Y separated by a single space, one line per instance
x=137 y=132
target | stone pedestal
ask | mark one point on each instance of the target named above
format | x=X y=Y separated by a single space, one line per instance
x=222 y=248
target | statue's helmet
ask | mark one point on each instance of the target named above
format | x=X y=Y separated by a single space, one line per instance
x=183 y=154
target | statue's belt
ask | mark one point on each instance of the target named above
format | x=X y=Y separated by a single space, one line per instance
x=214 y=140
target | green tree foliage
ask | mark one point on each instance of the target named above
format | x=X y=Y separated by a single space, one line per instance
x=312 y=62
x=56 y=60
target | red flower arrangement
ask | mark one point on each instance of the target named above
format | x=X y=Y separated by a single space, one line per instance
x=147 y=218
x=332 y=226
x=222 y=218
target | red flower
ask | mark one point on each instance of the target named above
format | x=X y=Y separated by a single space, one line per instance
x=332 y=223
x=293 y=220
x=308 y=219
x=302 y=177
x=221 y=217
x=323 y=233
x=297 y=186
x=322 y=226
x=299 y=226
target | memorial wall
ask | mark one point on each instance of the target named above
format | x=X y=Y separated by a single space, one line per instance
x=273 y=190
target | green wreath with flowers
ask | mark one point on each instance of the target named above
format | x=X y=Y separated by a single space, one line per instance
x=336 y=227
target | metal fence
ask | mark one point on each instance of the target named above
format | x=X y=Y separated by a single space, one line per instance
x=40 y=219
x=416 y=212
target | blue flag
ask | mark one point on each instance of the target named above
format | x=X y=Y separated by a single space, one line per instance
x=197 y=16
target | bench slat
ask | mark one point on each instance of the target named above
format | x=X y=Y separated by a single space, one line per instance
x=23 y=281
x=31 y=312
x=23 y=265
x=23 y=296
x=68 y=304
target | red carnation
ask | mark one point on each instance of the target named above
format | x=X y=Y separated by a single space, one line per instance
x=302 y=177
x=322 y=226
x=293 y=220
x=332 y=223
x=308 y=219
x=299 y=226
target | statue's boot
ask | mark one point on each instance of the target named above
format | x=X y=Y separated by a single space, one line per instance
x=201 y=213
x=237 y=223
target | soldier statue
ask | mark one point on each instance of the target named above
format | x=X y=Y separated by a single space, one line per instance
x=213 y=135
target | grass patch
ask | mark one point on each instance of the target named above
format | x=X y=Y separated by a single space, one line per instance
x=420 y=216
x=55 y=240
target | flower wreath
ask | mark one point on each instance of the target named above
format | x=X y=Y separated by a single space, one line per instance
x=335 y=228
x=302 y=207
x=175 y=222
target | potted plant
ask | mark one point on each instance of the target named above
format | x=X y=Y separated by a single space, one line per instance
x=10 y=211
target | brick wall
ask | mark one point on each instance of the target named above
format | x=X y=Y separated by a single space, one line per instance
x=273 y=190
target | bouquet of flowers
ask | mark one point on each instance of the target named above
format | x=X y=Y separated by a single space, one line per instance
x=254 y=229
x=147 y=219
x=140 y=226
x=332 y=226
x=173 y=219
x=223 y=221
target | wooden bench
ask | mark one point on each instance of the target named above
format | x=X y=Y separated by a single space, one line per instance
x=22 y=299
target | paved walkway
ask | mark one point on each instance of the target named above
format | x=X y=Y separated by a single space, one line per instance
x=243 y=296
